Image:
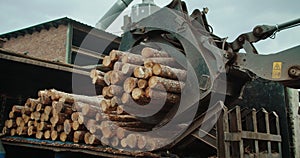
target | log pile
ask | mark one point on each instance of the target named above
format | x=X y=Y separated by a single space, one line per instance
x=139 y=81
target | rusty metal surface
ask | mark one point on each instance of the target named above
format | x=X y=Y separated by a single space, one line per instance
x=59 y=146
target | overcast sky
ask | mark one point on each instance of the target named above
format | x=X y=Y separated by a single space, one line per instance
x=228 y=18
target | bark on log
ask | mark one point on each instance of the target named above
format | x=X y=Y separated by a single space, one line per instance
x=44 y=97
x=43 y=126
x=170 y=98
x=115 y=90
x=120 y=110
x=150 y=52
x=169 y=72
x=21 y=131
x=105 y=92
x=76 y=126
x=26 y=111
x=59 y=128
x=118 y=66
x=117 y=77
x=13 y=132
x=58 y=119
x=99 y=81
x=129 y=84
x=25 y=118
x=133 y=59
x=90 y=110
x=165 y=84
x=31 y=103
x=128 y=69
x=149 y=63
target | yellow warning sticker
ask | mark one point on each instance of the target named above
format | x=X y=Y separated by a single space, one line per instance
x=277 y=68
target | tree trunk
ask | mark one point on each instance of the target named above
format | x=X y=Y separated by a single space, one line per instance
x=128 y=69
x=149 y=63
x=129 y=84
x=78 y=136
x=117 y=77
x=143 y=84
x=142 y=72
x=133 y=59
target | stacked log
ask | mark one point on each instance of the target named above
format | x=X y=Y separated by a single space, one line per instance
x=129 y=80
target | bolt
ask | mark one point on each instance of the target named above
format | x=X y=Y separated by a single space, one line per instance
x=294 y=72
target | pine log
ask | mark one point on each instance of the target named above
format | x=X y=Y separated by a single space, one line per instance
x=115 y=101
x=127 y=100
x=117 y=77
x=129 y=84
x=141 y=142
x=5 y=131
x=47 y=134
x=31 y=130
x=121 y=111
x=143 y=84
x=131 y=141
x=54 y=135
x=58 y=119
x=133 y=59
x=78 y=136
x=43 y=126
x=139 y=95
x=94 y=140
x=105 y=92
x=115 y=90
x=170 y=98
x=26 y=110
x=48 y=110
x=59 y=128
x=122 y=118
x=39 y=134
x=150 y=53
x=128 y=69
x=76 y=126
x=99 y=117
x=13 y=132
x=67 y=126
x=40 y=107
x=17 y=109
x=120 y=132
x=104 y=141
x=91 y=125
x=44 y=97
x=25 y=118
x=19 y=121
x=116 y=55
x=30 y=123
x=118 y=66
x=106 y=106
x=107 y=77
x=142 y=72
x=169 y=72
x=71 y=98
x=107 y=62
x=149 y=63
x=114 y=141
x=22 y=130
x=90 y=110
x=99 y=80
x=31 y=103
x=108 y=129
x=36 y=115
x=123 y=143
x=63 y=137
x=95 y=73
x=165 y=84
